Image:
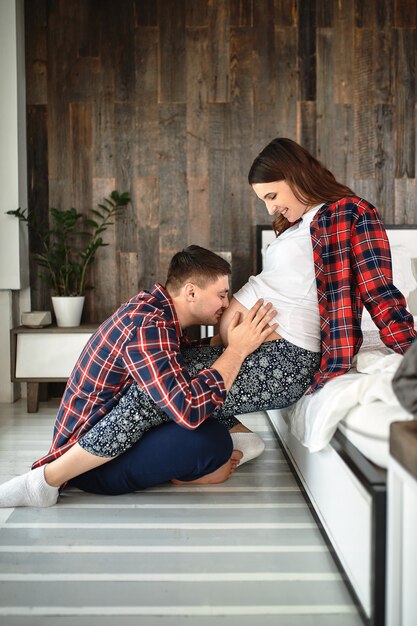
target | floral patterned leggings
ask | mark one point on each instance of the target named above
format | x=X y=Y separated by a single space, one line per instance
x=276 y=375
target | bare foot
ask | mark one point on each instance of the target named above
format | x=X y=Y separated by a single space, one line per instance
x=220 y=475
x=235 y=458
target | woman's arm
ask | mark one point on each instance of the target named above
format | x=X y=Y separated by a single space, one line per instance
x=371 y=264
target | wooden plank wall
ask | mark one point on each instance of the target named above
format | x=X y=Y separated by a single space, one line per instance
x=172 y=99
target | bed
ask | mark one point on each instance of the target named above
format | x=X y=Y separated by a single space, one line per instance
x=337 y=442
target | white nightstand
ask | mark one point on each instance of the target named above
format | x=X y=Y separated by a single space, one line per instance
x=42 y=355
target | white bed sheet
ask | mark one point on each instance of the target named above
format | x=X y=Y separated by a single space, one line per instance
x=361 y=401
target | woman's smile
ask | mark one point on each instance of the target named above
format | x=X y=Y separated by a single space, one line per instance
x=280 y=191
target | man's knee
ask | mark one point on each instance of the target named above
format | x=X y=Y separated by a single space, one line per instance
x=212 y=444
x=216 y=434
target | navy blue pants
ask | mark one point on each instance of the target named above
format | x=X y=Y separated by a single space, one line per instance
x=165 y=452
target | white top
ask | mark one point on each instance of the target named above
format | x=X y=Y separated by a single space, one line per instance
x=288 y=281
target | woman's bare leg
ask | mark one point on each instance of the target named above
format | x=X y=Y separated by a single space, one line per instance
x=72 y=463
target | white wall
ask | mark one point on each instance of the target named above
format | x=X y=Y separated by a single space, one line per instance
x=14 y=292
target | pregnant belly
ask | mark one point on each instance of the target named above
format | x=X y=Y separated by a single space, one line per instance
x=226 y=318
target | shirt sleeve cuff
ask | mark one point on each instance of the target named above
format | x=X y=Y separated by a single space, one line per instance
x=214 y=379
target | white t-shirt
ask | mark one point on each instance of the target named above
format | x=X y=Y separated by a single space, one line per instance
x=288 y=281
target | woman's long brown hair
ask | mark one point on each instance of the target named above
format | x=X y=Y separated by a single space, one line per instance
x=309 y=180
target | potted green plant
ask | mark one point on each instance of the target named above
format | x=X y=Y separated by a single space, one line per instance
x=68 y=247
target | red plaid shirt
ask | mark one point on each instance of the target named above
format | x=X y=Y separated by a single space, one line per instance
x=353 y=269
x=141 y=341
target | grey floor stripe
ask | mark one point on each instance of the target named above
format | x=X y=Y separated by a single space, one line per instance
x=260 y=562
x=163 y=594
x=335 y=619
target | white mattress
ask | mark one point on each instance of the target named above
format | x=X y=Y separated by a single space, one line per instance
x=361 y=404
x=370 y=432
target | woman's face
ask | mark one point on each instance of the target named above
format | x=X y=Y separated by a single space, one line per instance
x=279 y=199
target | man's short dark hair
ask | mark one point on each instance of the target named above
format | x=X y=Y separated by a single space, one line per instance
x=196 y=265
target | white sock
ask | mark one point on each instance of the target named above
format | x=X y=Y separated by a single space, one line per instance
x=30 y=489
x=250 y=444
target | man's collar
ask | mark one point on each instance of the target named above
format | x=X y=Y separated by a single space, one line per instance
x=161 y=294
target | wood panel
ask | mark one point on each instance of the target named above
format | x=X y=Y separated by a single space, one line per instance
x=38 y=192
x=325 y=13
x=219 y=50
x=173 y=209
x=147 y=208
x=36 y=53
x=405 y=68
x=219 y=171
x=197 y=129
x=241 y=12
x=146 y=139
x=196 y=13
x=325 y=94
x=80 y=141
x=307 y=50
x=237 y=236
x=124 y=171
x=146 y=12
x=284 y=118
x=171 y=100
x=384 y=161
x=344 y=50
x=102 y=300
x=171 y=22
x=286 y=13
x=363 y=97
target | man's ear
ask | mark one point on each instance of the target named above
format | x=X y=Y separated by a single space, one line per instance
x=189 y=292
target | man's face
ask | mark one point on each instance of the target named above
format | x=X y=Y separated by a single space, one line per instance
x=211 y=301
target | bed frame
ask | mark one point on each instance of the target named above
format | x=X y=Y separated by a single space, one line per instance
x=347 y=493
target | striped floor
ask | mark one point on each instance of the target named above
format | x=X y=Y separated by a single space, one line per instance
x=242 y=553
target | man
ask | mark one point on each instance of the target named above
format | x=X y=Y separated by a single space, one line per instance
x=142 y=342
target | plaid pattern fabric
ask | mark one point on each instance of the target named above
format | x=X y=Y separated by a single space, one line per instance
x=140 y=342
x=353 y=269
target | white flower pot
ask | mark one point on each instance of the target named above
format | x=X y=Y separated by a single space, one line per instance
x=68 y=310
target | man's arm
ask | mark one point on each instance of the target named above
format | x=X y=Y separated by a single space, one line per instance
x=155 y=362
